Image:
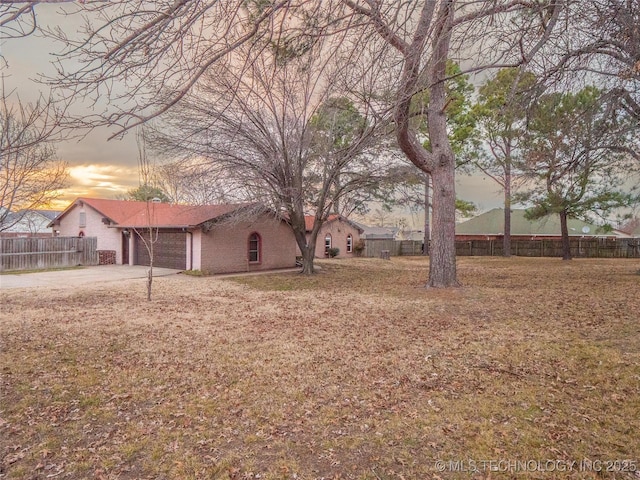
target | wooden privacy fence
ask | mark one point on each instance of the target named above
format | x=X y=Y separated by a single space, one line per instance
x=49 y=252
x=580 y=247
x=374 y=247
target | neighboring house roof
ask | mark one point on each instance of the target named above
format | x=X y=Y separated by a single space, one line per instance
x=413 y=235
x=124 y=213
x=29 y=220
x=50 y=214
x=492 y=223
x=10 y=219
x=378 y=233
x=309 y=220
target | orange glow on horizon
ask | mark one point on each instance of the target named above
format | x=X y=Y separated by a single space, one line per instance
x=96 y=181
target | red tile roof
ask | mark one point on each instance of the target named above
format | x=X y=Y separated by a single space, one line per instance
x=126 y=213
x=309 y=220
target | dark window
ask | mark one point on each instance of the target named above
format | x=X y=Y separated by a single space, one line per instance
x=349 y=243
x=327 y=243
x=254 y=248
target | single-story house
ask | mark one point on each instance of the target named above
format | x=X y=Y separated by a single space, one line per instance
x=336 y=232
x=378 y=233
x=28 y=223
x=212 y=238
x=411 y=235
x=490 y=226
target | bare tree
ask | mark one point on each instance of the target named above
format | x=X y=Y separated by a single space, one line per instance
x=601 y=44
x=31 y=176
x=18 y=19
x=281 y=135
x=425 y=36
x=149 y=235
x=193 y=182
x=135 y=60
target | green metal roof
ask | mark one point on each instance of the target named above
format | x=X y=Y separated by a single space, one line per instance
x=492 y=223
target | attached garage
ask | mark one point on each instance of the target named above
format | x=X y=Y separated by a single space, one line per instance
x=212 y=238
x=169 y=249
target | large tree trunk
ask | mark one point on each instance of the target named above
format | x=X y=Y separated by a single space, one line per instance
x=427 y=215
x=564 y=229
x=442 y=264
x=506 y=240
x=439 y=161
x=307 y=247
x=308 y=254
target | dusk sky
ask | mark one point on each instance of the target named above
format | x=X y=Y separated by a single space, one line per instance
x=104 y=169
x=98 y=168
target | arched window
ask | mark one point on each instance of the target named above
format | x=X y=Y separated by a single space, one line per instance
x=255 y=247
x=327 y=243
x=349 y=243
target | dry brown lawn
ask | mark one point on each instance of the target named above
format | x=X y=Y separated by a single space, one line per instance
x=356 y=373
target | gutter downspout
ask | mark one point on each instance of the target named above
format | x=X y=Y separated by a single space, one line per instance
x=190 y=249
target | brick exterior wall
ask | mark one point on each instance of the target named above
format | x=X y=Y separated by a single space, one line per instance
x=106 y=257
x=108 y=238
x=225 y=249
x=338 y=229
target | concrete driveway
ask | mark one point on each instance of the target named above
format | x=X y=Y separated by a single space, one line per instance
x=80 y=276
